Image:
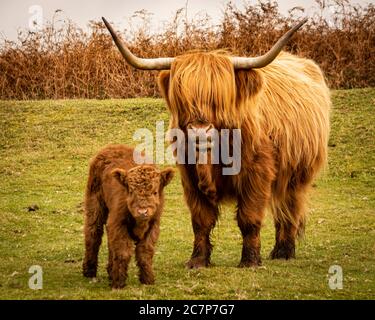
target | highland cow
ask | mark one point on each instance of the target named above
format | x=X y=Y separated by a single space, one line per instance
x=128 y=199
x=281 y=104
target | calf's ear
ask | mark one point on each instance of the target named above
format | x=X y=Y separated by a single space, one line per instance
x=166 y=176
x=120 y=175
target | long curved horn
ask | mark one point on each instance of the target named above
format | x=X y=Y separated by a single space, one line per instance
x=262 y=61
x=139 y=63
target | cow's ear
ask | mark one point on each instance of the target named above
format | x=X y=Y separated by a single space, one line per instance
x=121 y=176
x=164 y=83
x=248 y=83
x=166 y=176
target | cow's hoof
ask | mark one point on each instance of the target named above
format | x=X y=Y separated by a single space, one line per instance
x=197 y=263
x=283 y=252
x=250 y=264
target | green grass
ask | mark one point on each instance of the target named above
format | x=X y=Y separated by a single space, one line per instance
x=45 y=147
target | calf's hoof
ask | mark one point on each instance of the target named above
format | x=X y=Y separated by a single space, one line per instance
x=89 y=272
x=94 y=280
x=117 y=285
x=147 y=279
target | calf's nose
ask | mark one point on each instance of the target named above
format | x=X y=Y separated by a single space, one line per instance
x=142 y=212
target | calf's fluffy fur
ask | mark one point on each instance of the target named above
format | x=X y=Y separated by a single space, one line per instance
x=128 y=199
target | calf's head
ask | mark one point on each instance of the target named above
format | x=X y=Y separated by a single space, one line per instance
x=144 y=189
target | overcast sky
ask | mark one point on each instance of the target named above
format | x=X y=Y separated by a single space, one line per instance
x=15 y=14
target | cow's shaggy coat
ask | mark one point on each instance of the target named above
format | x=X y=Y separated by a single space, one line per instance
x=283 y=113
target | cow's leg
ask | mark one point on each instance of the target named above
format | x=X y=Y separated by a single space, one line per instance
x=206 y=183
x=203 y=216
x=93 y=230
x=253 y=197
x=120 y=247
x=289 y=226
x=285 y=241
x=249 y=222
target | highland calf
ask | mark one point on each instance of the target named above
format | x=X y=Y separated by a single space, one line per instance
x=129 y=199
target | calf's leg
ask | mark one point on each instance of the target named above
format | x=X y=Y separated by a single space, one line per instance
x=93 y=230
x=144 y=253
x=120 y=248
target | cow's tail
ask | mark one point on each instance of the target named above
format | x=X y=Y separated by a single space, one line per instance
x=288 y=208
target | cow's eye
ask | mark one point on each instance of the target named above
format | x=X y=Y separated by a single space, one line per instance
x=155 y=193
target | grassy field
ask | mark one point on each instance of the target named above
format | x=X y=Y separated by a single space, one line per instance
x=45 y=147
